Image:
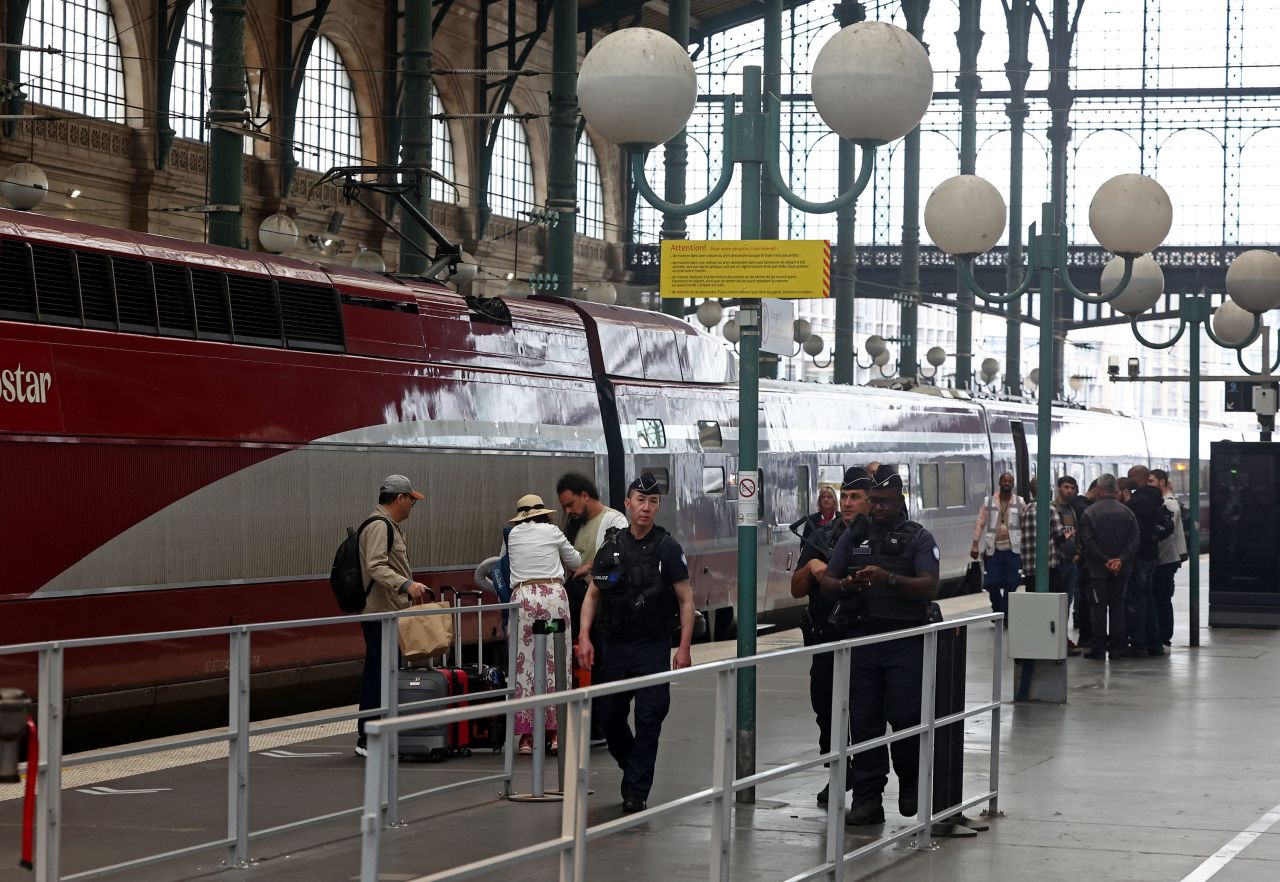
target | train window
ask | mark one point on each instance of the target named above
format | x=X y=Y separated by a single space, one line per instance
x=802 y=490
x=709 y=434
x=953 y=485
x=1076 y=471
x=135 y=294
x=713 y=480
x=928 y=486
x=651 y=433
x=174 y=303
x=832 y=476
x=97 y=290
x=905 y=471
x=255 y=311
x=57 y=300
x=312 y=317
x=18 y=294
x=213 y=312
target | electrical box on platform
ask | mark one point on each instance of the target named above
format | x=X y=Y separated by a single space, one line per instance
x=1038 y=625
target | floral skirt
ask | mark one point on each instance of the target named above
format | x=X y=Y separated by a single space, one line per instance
x=540 y=600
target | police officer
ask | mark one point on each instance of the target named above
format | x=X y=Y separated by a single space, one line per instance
x=816 y=625
x=639 y=594
x=894 y=572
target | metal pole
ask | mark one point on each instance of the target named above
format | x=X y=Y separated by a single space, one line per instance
x=997 y=687
x=371 y=818
x=49 y=771
x=909 y=278
x=1046 y=256
x=390 y=683
x=1200 y=314
x=841 y=665
x=539 y=713
x=1060 y=101
x=722 y=776
x=575 y=746
x=238 y=750
x=562 y=180
x=561 y=683
x=676 y=156
x=924 y=776
x=226 y=116
x=509 y=721
x=1017 y=70
x=969 y=41
x=845 y=272
x=415 y=128
x=752 y=129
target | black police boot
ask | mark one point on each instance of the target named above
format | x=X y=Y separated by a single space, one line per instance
x=633 y=804
x=907 y=802
x=865 y=814
x=822 y=794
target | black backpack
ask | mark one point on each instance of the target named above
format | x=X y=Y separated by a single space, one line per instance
x=345 y=578
x=1162 y=529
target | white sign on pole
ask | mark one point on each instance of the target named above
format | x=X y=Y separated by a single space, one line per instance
x=749 y=499
x=777 y=319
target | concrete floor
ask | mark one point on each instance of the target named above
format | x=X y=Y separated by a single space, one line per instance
x=1153 y=766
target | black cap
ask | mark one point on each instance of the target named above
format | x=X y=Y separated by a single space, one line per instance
x=885 y=476
x=856 y=478
x=646 y=484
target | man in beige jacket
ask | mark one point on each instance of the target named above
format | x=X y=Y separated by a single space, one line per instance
x=384 y=565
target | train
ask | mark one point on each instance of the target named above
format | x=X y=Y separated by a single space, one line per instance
x=186 y=431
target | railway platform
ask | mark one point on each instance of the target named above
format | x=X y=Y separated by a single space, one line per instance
x=1157 y=768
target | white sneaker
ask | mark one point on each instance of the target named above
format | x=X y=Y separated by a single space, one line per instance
x=361 y=750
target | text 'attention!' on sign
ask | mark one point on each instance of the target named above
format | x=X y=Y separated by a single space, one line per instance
x=747 y=268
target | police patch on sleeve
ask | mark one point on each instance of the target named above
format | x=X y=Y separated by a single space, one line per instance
x=684 y=560
x=937 y=555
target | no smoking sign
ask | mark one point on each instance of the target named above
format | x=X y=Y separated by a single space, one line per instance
x=748 y=499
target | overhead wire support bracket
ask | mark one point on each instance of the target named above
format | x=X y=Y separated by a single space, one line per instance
x=398 y=182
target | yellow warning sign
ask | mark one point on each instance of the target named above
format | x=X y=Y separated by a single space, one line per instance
x=746 y=268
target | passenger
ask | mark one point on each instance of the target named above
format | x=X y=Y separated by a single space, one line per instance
x=1109 y=532
x=1056 y=539
x=1070 y=506
x=1146 y=503
x=384 y=566
x=825 y=514
x=817 y=547
x=1173 y=551
x=997 y=538
x=894 y=571
x=639 y=589
x=539 y=554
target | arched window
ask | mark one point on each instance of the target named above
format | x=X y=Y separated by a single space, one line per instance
x=590 y=194
x=189 y=94
x=511 y=175
x=328 y=127
x=88 y=77
x=441 y=154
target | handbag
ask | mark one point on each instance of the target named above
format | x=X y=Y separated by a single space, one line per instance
x=973 y=578
x=424 y=636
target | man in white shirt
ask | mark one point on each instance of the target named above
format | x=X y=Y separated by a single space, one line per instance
x=539 y=555
x=1172 y=552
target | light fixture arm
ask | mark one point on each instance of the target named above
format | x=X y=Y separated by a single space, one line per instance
x=965 y=263
x=1075 y=292
x=773 y=118
x=717 y=192
x=1239 y=347
x=827 y=364
x=1265 y=371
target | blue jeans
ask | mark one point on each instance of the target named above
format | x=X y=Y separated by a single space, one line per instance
x=1002 y=576
x=371 y=678
x=1069 y=574
x=1142 y=619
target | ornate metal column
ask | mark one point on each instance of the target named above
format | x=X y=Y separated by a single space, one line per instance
x=1017 y=70
x=562 y=189
x=676 y=155
x=415 y=128
x=969 y=40
x=226 y=108
x=915 y=12
x=844 y=274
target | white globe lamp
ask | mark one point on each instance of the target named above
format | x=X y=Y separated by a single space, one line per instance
x=1253 y=280
x=369 y=260
x=1076 y=383
x=990 y=367
x=936 y=356
x=710 y=312
x=1232 y=324
x=965 y=215
x=731 y=331
x=24 y=186
x=277 y=233
x=1034 y=377
x=1146 y=284
x=882 y=359
x=637 y=87
x=875 y=345
x=602 y=292
x=872 y=82
x=814 y=346
x=1130 y=214
x=801 y=331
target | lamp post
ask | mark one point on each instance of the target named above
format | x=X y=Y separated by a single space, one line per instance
x=1253 y=284
x=872 y=83
x=1130 y=215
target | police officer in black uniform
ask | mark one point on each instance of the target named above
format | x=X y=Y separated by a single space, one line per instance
x=816 y=625
x=639 y=595
x=893 y=572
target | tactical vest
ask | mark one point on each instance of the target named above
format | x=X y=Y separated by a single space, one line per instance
x=891 y=551
x=635 y=601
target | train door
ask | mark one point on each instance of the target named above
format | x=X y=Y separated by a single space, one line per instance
x=1022 y=464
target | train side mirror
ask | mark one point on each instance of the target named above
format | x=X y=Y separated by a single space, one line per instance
x=14 y=706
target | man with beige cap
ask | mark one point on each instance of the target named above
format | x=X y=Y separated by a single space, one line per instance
x=388 y=579
x=539 y=555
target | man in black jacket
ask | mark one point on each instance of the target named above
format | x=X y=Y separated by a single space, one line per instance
x=1109 y=535
x=1147 y=504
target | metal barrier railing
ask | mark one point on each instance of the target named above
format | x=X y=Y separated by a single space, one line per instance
x=571 y=845
x=239 y=731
